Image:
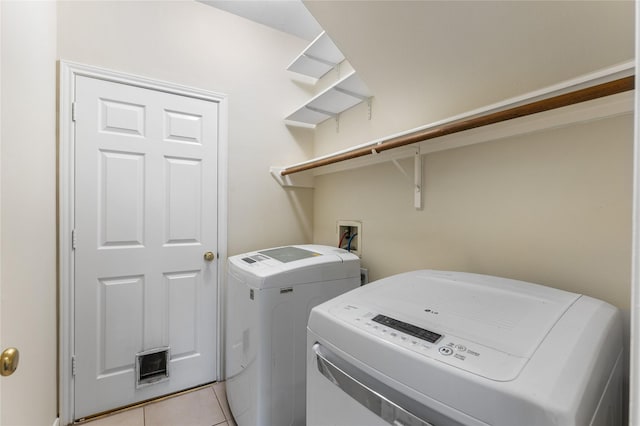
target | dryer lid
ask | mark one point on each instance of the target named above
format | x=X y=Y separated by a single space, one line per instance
x=295 y=265
x=289 y=253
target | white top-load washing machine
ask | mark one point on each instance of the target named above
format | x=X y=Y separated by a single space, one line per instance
x=445 y=348
x=269 y=296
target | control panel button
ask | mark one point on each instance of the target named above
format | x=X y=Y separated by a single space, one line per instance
x=461 y=348
x=445 y=350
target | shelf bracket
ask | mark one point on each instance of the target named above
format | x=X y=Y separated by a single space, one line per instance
x=321 y=111
x=357 y=96
x=351 y=93
x=417 y=180
x=401 y=169
x=300 y=180
x=322 y=61
x=417 y=177
x=325 y=112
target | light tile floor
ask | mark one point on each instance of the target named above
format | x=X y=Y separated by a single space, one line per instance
x=203 y=407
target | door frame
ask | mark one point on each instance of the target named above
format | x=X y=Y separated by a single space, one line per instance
x=68 y=71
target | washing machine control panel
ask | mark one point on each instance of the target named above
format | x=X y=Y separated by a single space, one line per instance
x=405 y=327
x=430 y=342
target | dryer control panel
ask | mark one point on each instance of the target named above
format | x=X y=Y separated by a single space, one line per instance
x=435 y=344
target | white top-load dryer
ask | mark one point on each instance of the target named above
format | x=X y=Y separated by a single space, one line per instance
x=269 y=296
x=445 y=348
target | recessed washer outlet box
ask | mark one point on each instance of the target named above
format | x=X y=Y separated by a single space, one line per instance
x=350 y=236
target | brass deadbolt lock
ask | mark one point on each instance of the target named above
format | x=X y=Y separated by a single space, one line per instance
x=9 y=361
x=209 y=256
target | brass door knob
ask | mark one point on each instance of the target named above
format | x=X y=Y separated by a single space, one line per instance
x=9 y=361
x=209 y=256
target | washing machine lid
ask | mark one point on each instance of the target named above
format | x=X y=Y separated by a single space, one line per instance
x=297 y=264
x=498 y=322
x=507 y=315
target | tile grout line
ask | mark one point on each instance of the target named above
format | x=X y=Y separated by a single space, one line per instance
x=143 y=405
x=219 y=403
x=225 y=421
x=230 y=420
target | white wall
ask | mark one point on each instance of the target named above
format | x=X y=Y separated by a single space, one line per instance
x=197 y=45
x=28 y=219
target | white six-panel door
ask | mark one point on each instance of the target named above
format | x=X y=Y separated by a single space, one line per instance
x=145 y=214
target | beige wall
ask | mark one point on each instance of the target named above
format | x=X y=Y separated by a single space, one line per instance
x=552 y=207
x=429 y=60
x=197 y=45
x=183 y=42
x=28 y=199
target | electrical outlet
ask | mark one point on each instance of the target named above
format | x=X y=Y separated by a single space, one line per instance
x=350 y=236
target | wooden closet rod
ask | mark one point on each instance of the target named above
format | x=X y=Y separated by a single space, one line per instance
x=559 y=101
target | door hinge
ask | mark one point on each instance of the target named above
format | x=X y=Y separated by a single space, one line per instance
x=73 y=239
x=73 y=366
x=73 y=111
